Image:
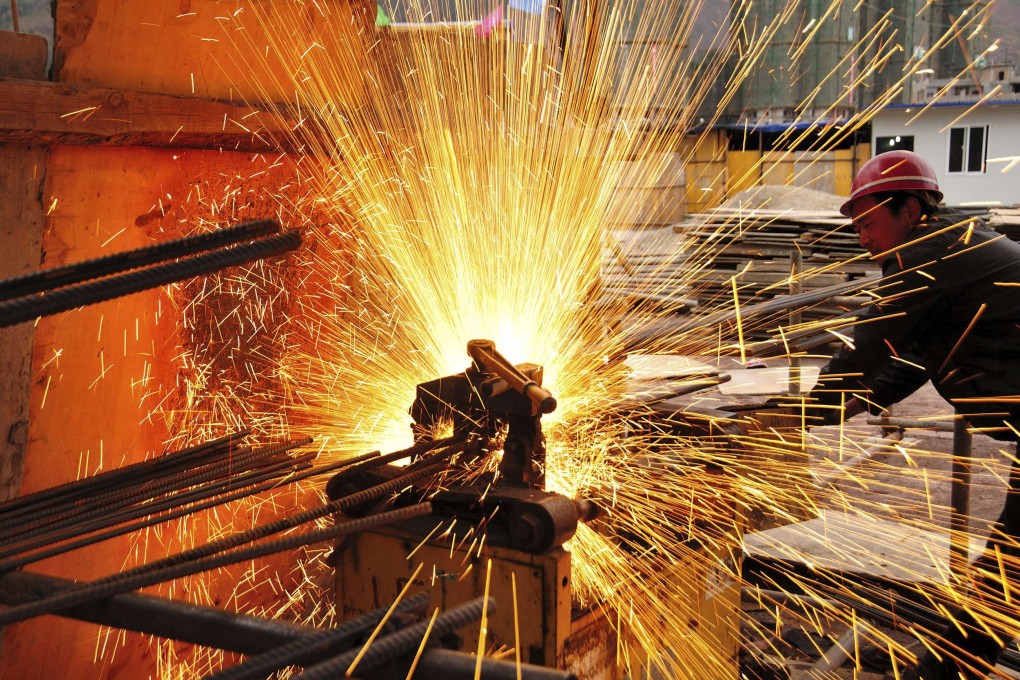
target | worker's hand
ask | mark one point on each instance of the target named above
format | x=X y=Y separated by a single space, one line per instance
x=853 y=407
x=818 y=411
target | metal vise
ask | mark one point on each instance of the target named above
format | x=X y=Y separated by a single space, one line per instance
x=490 y=394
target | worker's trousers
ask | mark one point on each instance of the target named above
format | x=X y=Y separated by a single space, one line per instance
x=973 y=652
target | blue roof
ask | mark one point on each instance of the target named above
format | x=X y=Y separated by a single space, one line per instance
x=798 y=126
x=935 y=105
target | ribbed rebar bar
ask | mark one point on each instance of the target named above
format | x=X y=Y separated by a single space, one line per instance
x=310 y=646
x=125 y=583
x=420 y=448
x=180 y=505
x=115 y=584
x=105 y=504
x=81 y=487
x=32 y=307
x=132 y=259
x=401 y=642
x=249 y=485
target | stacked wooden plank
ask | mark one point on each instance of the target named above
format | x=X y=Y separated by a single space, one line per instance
x=1006 y=221
x=695 y=263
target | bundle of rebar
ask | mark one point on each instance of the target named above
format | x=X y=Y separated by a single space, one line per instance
x=139 y=480
x=60 y=289
x=113 y=503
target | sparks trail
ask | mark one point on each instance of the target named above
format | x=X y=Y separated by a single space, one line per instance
x=470 y=184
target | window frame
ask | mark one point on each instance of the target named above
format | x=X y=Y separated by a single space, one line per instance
x=905 y=143
x=965 y=152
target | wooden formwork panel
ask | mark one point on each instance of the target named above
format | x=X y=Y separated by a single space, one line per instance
x=203 y=48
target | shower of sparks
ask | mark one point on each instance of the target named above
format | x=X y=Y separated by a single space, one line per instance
x=468 y=187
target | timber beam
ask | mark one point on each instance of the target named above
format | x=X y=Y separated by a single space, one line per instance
x=43 y=112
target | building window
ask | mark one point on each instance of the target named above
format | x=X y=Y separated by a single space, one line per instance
x=897 y=143
x=968 y=149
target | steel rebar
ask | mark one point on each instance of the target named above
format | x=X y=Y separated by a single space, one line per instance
x=180 y=505
x=79 y=272
x=102 y=505
x=151 y=577
x=401 y=642
x=27 y=308
x=114 y=584
x=70 y=490
x=298 y=652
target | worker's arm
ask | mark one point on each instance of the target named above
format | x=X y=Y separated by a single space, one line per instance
x=903 y=376
x=910 y=307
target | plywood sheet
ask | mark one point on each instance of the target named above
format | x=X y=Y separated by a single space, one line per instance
x=851 y=542
x=99 y=372
x=203 y=48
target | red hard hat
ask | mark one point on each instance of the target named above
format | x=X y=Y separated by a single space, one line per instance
x=892 y=171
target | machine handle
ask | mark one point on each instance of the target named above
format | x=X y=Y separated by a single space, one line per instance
x=484 y=354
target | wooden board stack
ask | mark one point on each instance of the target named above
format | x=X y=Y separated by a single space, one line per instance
x=1006 y=221
x=693 y=264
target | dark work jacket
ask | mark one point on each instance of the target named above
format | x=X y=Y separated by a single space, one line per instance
x=949 y=312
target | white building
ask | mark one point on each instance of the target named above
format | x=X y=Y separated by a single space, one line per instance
x=974 y=148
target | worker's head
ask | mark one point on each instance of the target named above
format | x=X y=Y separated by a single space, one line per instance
x=893 y=193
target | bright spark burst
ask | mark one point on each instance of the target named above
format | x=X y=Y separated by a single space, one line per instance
x=466 y=189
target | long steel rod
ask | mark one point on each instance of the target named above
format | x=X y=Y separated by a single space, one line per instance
x=401 y=642
x=184 y=621
x=71 y=490
x=912 y=423
x=258 y=483
x=113 y=584
x=27 y=308
x=79 y=272
x=312 y=647
x=183 y=502
x=107 y=503
x=97 y=590
x=127 y=522
x=336 y=484
x=243 y=633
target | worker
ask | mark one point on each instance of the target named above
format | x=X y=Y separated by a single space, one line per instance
x=949 y=312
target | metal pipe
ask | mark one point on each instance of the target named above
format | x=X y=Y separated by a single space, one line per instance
x=151 y=615
x=912 y=423
x=959 y=543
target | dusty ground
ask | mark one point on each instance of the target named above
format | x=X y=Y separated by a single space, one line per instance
x=891 y=486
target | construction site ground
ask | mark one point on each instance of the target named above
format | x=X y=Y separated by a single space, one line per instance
x=886 y=487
